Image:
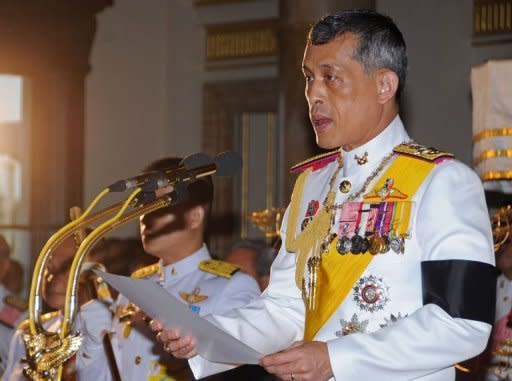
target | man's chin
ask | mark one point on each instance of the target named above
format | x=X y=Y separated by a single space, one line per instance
x=326 y=144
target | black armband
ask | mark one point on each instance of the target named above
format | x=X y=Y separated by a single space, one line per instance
x=464 y=289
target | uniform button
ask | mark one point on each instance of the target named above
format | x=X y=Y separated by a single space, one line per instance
x=138 y=360
x=345 y=186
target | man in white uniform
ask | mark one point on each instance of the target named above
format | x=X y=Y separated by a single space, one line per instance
x=500 y=349
x=175 y=235
x=386 y=269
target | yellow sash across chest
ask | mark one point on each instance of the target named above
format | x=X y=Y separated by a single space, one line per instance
x=338 y=273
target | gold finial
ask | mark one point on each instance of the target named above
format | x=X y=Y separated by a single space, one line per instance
x=501 y=227
x=268 y=221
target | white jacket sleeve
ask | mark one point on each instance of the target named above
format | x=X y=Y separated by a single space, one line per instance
x=95 y=319
x=270 y=323
x=14 y=366
x=452 y=224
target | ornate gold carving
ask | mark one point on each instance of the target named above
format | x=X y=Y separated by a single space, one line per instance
x=46 y=353
x=241 y=40
x=492 y=16
x=268 y=221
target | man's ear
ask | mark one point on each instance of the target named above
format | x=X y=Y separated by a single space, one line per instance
x=195 y=216
x=387 y=85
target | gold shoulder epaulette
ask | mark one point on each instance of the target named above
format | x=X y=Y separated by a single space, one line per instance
x=144 y=272
x=219 y=268
x=421 y=152
x=16 y=302
x=44 y=318
x=315 y=162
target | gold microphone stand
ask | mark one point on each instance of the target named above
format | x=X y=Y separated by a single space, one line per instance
x=47 y=351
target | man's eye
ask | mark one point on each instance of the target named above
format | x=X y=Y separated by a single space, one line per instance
x=330 y=77
x=308 y=78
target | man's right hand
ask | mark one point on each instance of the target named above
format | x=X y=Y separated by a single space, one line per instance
x=181 y=347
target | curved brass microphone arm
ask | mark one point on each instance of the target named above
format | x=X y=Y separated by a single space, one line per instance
x=71 y=306
x=35 y=300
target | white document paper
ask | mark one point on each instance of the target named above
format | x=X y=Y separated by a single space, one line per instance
x=212 y=343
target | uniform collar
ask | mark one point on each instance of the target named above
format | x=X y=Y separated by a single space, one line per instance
x=374 y=150
x=184 y=266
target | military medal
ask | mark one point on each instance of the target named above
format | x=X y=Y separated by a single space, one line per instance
x=194 y=297
x=392 y=319
x=360 y=243
x=371 y=293
x=311 y=211
x=351 y=326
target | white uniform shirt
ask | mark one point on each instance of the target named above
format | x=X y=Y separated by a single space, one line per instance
x=402 y=339
x=138 y=355
x=6 y=332
x=500 y=368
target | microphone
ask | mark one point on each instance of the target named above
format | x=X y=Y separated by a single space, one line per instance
x=225 y=164
x=158 y=179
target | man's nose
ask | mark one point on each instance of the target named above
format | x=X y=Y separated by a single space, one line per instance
x=315 y=92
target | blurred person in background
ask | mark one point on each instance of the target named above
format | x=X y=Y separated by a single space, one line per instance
x=254 y=258
x=13 y=309
x=54 y=295
x=174 y=235
x=499 y=353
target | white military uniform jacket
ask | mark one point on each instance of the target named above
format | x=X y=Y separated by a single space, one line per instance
x=401 y=338
x=500 y=368
x=138 y=356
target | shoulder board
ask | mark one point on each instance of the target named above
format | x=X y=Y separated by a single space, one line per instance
x=144 y=272
x=315 y=162
x=422 y=152
x=16 y=302
x=219 y=268
x=44 y=318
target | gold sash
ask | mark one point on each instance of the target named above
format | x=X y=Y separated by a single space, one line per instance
x=338 y=273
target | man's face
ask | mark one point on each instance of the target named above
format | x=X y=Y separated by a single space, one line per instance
x=162 y=229
x=343 y=98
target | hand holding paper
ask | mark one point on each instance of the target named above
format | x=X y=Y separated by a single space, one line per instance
x=211 y=342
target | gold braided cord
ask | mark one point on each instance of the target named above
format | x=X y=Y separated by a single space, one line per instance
x=294 y=210
x=496 y=175
x=491 y=154
x=492 y=133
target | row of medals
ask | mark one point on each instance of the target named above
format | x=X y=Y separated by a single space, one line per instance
x=376 y=244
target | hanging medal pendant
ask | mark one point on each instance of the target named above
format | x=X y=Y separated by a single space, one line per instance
x=360 y=243
x=356 y=242
x=394 y=242
x=344 y=245
x=385 y=244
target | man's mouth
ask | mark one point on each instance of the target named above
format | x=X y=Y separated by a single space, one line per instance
x=320 y=122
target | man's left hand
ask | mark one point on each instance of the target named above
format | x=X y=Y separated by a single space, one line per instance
x=302 y=361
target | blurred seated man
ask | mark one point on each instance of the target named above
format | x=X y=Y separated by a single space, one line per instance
x=54 y=295
x=174 y=235
x=254 y=258
x=13 y=280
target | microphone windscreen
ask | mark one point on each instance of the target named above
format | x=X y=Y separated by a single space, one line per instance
x=228 y=163
x=196 y=160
